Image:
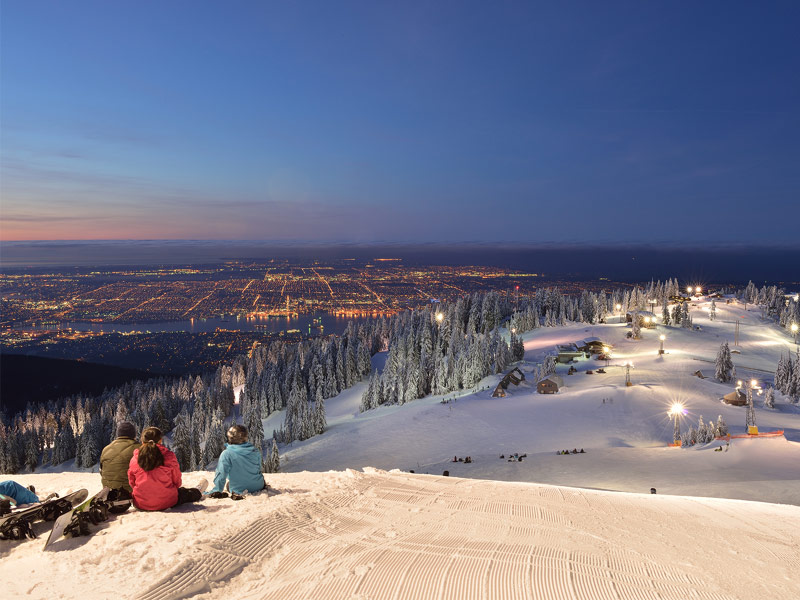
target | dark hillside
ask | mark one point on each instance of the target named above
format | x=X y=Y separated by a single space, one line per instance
x=26 y=379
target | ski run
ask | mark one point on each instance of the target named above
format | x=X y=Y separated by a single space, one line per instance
x=345 y=517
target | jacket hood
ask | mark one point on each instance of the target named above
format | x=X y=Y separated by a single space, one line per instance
x=241 y=448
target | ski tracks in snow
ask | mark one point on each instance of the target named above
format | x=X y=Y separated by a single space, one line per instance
x=401 y=536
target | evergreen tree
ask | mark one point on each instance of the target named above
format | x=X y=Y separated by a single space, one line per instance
x=636 y=326
x=665 y=318
x=182 y=439
x=320 y=421
x=723 y=364
x=769 y=397
x=721 y=429
x=274 y=461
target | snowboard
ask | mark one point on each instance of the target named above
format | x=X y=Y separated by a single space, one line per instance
x=17 y=525
x=93 y=511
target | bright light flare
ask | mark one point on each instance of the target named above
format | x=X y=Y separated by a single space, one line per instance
x=676 y=409
x=439 y=317
x=662 y=337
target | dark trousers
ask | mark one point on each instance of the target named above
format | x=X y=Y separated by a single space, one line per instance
x=188 y=495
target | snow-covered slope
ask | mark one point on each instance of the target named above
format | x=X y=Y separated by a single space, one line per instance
x=624 y=430
x=397 y=535
x=493 y=529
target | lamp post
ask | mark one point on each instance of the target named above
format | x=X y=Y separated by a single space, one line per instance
x=689 y=290
x=652 y=304
x=606 y=351
x=675 y=411
x=661 y=338
x=628 y=366
x=439 y=317
x=750 y=415
x=697 y=290
x=794 y=333
x=619 y=310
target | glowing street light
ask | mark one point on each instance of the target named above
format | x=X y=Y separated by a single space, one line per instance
x=619 y=310
x=439 y=317
x=675 y=411
x=697 y=290
x=689 y=289
x=662 y=337
x=606 y=353
x=628 y=366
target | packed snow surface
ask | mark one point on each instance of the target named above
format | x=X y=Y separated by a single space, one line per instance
x=399 y=535
x=552 y=526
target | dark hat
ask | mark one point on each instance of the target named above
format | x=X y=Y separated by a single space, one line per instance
x=126 y=429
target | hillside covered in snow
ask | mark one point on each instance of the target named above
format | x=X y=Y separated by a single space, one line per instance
x=346 y=518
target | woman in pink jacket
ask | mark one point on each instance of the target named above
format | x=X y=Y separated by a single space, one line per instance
x=155 y=476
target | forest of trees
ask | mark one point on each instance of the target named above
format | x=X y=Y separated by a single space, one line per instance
x=426 y=355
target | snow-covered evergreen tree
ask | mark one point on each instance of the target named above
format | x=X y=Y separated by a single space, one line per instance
x=723 y=364
x=769 y=397
x=274 y=461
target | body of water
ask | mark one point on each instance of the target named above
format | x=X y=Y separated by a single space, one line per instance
x=306 y=324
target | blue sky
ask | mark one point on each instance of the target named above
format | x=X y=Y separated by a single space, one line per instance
x=416 y=121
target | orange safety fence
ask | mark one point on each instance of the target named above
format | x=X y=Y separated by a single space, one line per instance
x=777 y=433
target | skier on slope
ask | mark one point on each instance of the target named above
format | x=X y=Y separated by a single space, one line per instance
x=116 y=457
x=155 y=476
x=239 y=465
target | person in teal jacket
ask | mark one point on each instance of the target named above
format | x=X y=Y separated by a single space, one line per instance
x=239 y=465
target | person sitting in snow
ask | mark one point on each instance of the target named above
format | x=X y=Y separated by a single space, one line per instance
x=155 y=476
x=239 y=465
x=116 y=457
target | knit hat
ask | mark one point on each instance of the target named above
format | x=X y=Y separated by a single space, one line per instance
x=126 y=429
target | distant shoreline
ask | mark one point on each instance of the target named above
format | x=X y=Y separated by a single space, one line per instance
x=712 y=263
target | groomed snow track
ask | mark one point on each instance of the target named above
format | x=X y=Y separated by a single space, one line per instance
x=397 y=535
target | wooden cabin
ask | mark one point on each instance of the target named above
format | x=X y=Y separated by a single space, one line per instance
x=550 y=385
x=736 y=398
x=514 y=376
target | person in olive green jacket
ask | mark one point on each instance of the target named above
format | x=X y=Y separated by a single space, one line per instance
x=116 y=457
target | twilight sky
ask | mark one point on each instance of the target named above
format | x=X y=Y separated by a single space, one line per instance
x=401 y=121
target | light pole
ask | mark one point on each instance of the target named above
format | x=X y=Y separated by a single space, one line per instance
x=628 y=366
x=689 y=290
x=439 y=317
x=619 y=310
x=606 y=351
x=675 y=411
x=662 y=337
x=794 y=333
x=652 y=304
x=697 y=291
x=750 y=415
